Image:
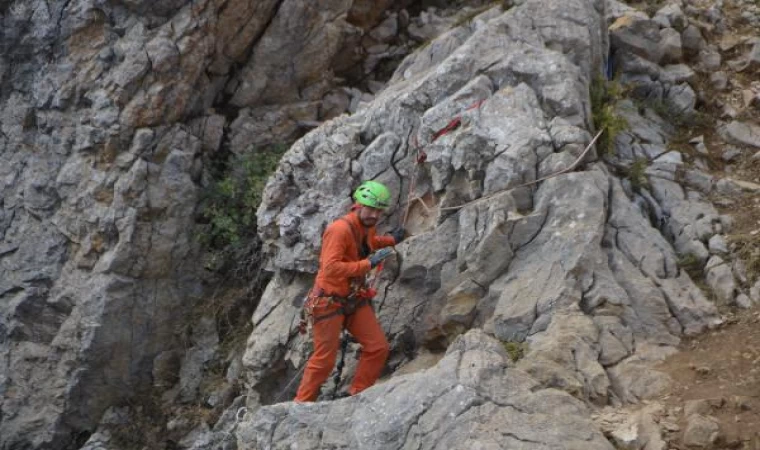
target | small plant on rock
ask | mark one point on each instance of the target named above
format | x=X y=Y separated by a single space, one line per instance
x=233 y=198
x=604 y=97
x=515 y=350
x=637 y=174
x=691 y=264
x=229 y=211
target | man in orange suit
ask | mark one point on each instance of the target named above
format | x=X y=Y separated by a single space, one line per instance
x=340 y=297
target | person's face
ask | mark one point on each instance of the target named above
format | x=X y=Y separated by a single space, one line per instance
x=369 y=216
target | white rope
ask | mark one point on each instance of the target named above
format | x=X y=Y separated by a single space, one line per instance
x=530 y=183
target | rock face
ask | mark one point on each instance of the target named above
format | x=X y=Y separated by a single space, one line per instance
x=107 y=115
x=472 y=397
x=109 y=112
x=581 y=268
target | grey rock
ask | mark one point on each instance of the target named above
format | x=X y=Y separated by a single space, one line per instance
x=701 y=431
x=205 y=346
x=709 y=60
x=743 y=301
x=166 y=366
x=682 y=99
x=728 y=112
x=269 y=76
x=632 y=64
x=677 y=73
x=719 y=80
x=673 y=16
x=720 y=278
x=726 y=222
x=633 y=379
x=670 y=43
x=693 y=246
x=750 y=98
x=673 y=157
x=694 y=312
x=163 y=54
x=752 y=59
x=615 y=340
x=717 y=245
x=730 y=154
x=754 y=292
x=639 y=429
x=702 y=406
x=727 y=187
x=386 y=30
x=742 y=133
x=662 y=21
x=428 y=26
x=334 y=103
x=615 y=9
x=256 y=127
x=638 y=36
x=699 y=180
x=739 y=269
x=475 y=368
x=692 y=41
x=699 y=145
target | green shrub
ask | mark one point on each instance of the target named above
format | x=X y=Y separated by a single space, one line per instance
x=637 y=173
x=231 y=201
x=515 y=350
x=604 y=97
x=691 y=264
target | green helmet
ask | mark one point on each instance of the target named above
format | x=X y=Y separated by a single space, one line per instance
x=373 y=194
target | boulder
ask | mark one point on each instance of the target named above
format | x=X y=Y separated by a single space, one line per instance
x=637 y=35
x=752 y=59
x=671 y=15
x=742 y=133
x=692 y=41
x=709 y=60
x=720 y=278
x=473 y=384
x=754 y=292
x=677 y=73
x=701 y=431
x=717 y=245
x=719 y=80
x=670 y=43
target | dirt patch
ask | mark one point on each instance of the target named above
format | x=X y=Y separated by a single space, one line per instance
x=724 y=366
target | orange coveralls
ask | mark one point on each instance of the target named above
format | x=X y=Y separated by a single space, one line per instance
x=340 y=261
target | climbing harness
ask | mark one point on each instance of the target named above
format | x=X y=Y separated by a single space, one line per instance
x=361 y=294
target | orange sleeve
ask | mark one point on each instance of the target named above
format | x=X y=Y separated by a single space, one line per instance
x=335 y=244
x=382 y=241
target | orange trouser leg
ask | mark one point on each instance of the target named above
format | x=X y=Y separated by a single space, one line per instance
x=363 y=325
x=326 y=343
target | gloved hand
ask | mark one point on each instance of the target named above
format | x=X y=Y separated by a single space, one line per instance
x=398 y=233
x=378 y=256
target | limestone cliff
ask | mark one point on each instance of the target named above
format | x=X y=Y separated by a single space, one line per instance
x=538 y=284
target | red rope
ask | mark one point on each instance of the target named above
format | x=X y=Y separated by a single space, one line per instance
x=421 y=157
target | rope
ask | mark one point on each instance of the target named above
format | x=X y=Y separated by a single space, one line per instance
x=419 y=159
x=421 y=156
x=341 y=364
x=290 y=383
x=530 y=183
